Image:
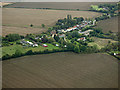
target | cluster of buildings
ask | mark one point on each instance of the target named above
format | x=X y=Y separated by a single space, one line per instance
x=28 y=43
x=78 y=27
x=53 y=33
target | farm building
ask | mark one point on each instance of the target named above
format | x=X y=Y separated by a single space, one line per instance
x=83 y=39
x=65 y=46
x=35 y=45
x=72 y=28
x=56 y=45
x=44 y=45
x=53 y=33
x=62 y=36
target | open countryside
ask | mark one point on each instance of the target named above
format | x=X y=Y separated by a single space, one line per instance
x=52 y=48
x=57 y=5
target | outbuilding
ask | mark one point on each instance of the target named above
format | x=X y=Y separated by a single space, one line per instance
x=44 y=45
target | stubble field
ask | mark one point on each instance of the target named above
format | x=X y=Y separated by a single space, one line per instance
x=15 y=19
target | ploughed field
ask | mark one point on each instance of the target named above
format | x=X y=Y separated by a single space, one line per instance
x=109 y=25
x=17 y=20
x=57 y=5
x=61 y=70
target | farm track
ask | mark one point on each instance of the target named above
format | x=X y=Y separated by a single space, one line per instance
x=61 y=70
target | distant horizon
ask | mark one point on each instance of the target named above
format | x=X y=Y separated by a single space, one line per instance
x=59 y=1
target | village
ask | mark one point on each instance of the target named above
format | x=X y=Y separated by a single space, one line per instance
x=76 y=34
x=62 y=34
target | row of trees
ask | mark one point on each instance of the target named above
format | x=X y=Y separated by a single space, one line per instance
x=105 y=8
x=8 y=39
x=104 y=16
x=67 y=22
x=43 y=25
x=18 y=53
x=81 y=48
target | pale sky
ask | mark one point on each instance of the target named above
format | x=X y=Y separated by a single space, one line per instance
x=60 y=0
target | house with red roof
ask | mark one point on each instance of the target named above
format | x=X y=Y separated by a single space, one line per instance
x=44 y=45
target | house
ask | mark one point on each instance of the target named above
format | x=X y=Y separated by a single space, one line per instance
x=63 y=30
x=36 y=37
x=30 y=43
x=83 y=39
x=53 y=33
x=44 y=45
x=105 y=9
x=23 y=42
x=62 y=36
x=35 y=45
x=56 y=45
x=69 y=29
x=116 y=54
x=59 y=31
x=65 y=46
x=78 y=25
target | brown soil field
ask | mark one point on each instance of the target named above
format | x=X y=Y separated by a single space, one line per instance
x=19 y=30
x=16 y=17
x=109 y=24
x=57 y=5
x=61 y=70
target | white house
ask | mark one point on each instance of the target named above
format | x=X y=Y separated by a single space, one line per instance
x=56 y=45
x=35 y=45
x=29 y=42
x=65 y=46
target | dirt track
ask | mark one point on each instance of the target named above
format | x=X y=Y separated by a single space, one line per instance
x=61 y=70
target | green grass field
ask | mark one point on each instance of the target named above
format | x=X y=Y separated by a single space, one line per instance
x=12 y=49
x=100 y=43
